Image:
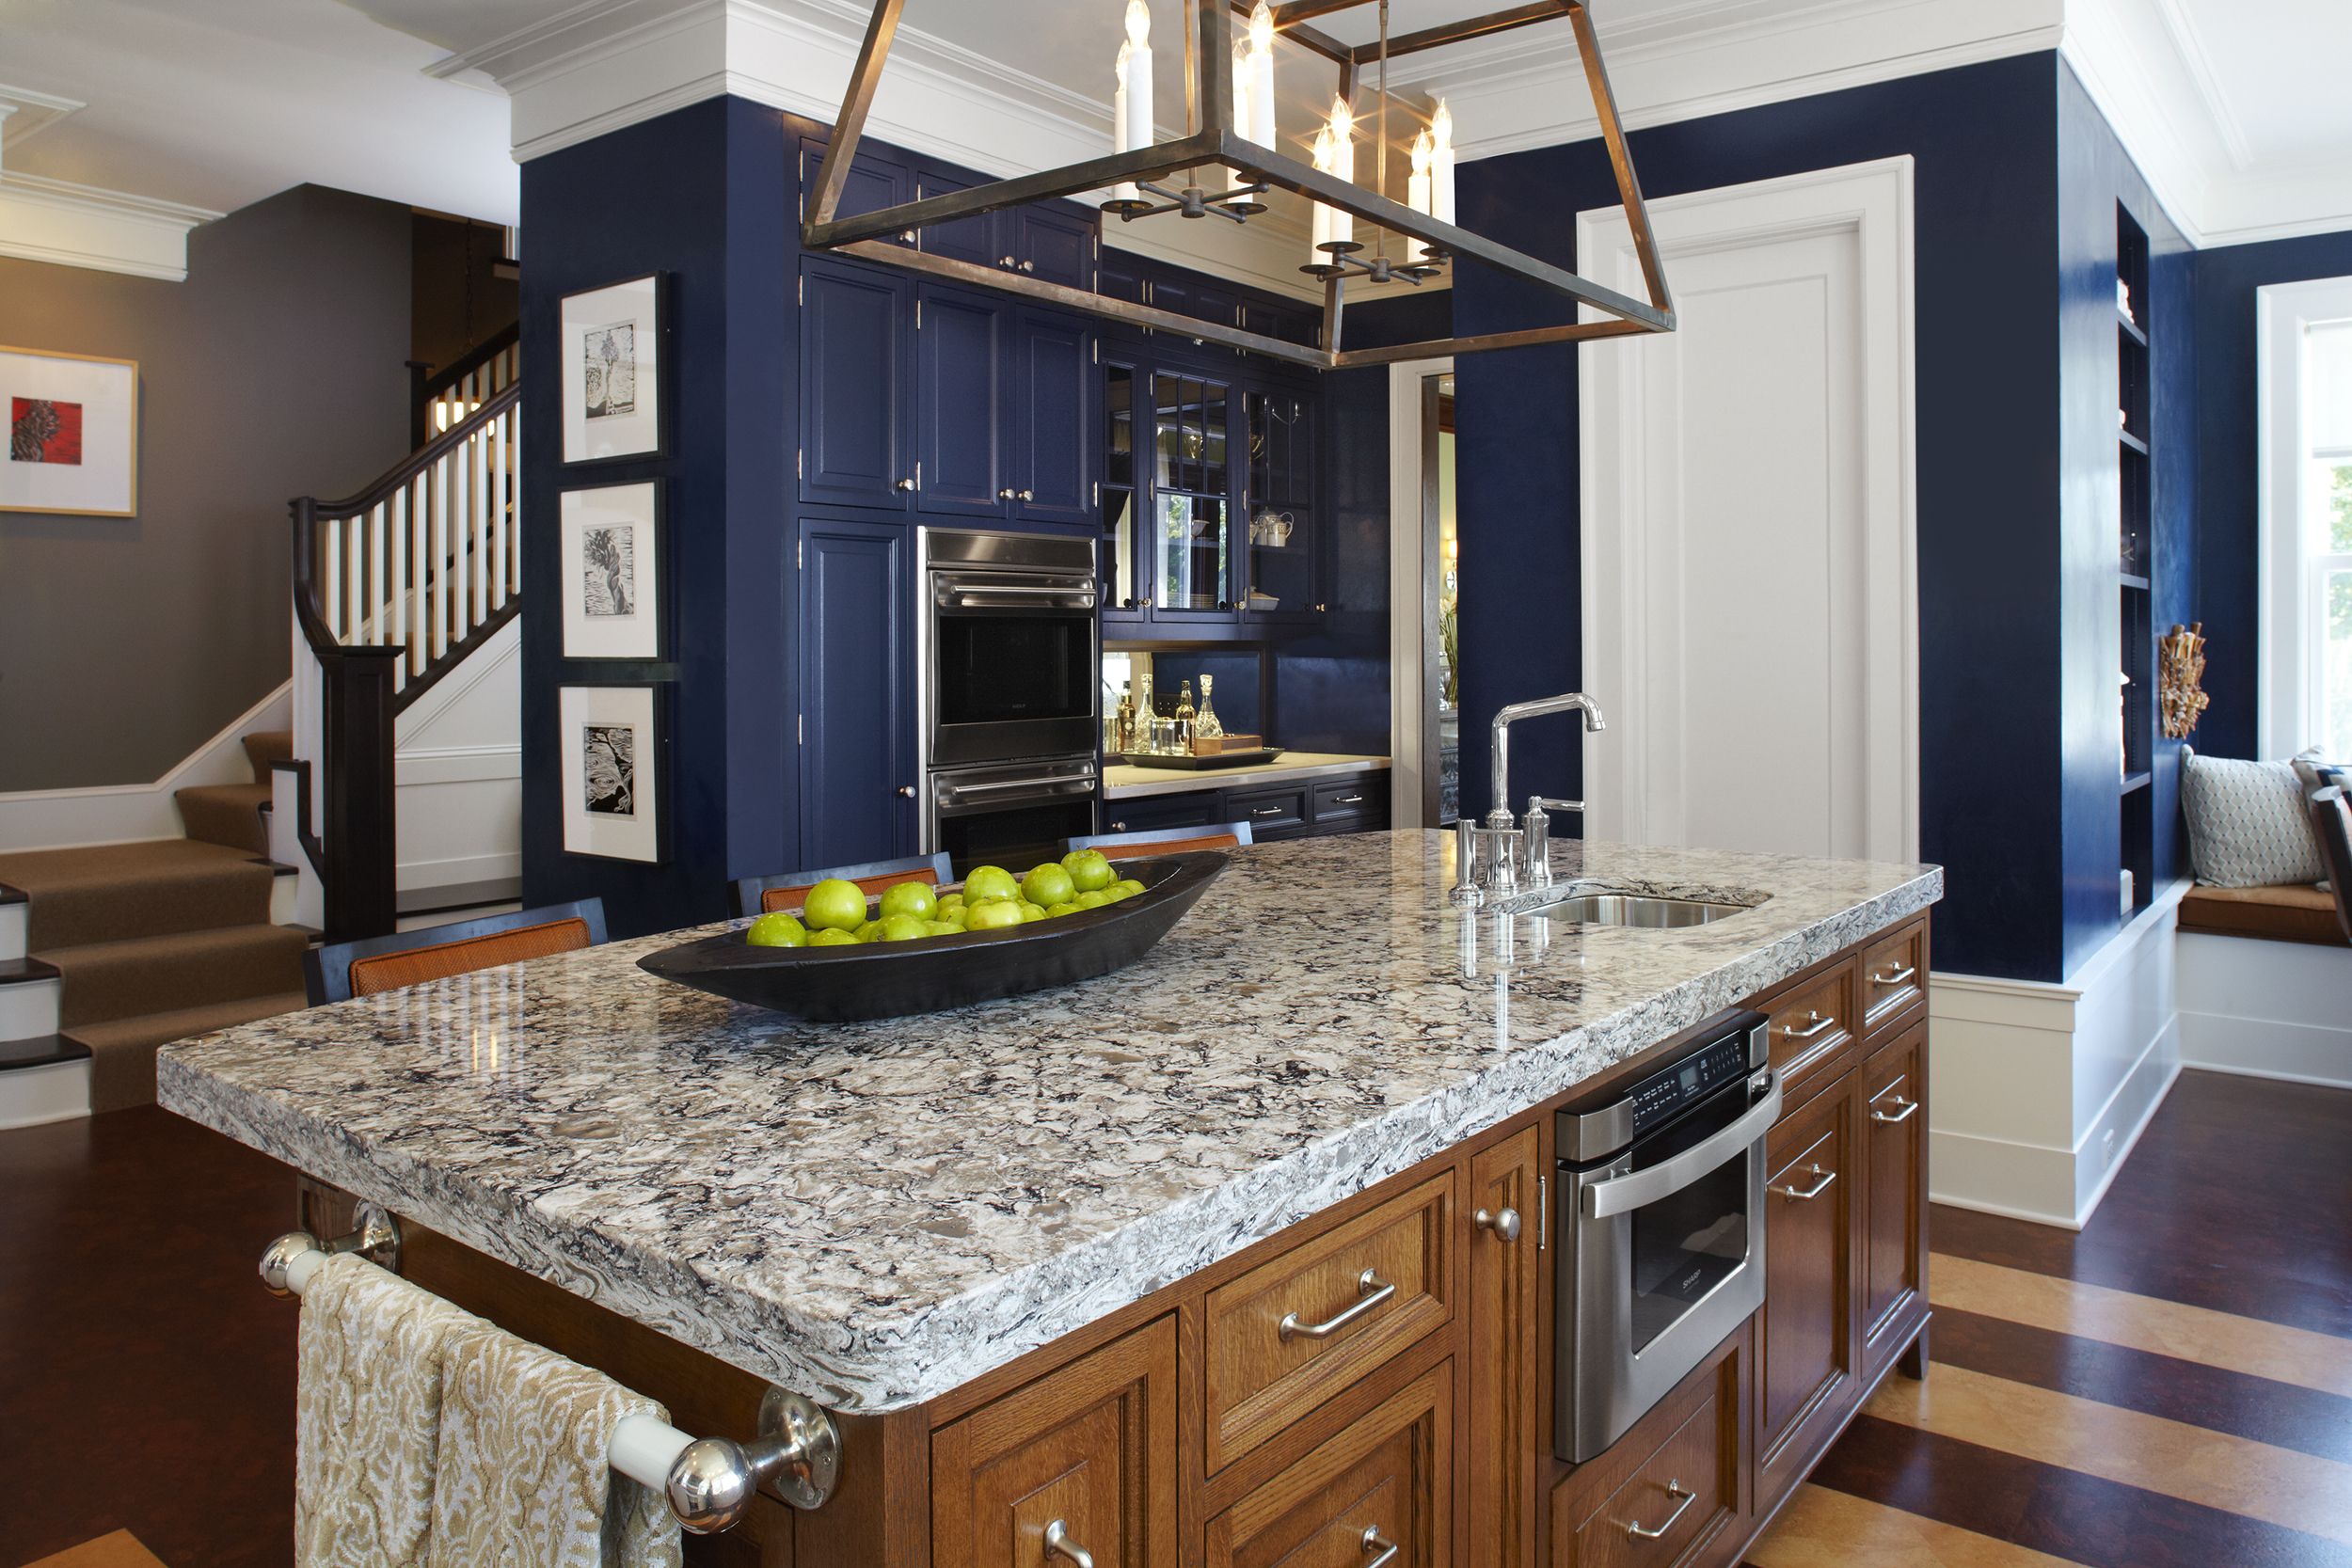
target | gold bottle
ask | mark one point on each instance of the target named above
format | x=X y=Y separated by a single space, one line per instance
x=1184 y=719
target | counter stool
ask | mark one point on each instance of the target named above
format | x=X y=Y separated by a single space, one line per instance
x=343 y=969
x=788 y=891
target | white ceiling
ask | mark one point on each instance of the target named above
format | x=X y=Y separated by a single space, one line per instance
x=2236 y=108
x=217 y=103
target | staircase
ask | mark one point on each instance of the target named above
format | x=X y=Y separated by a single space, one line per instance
x=128 y=947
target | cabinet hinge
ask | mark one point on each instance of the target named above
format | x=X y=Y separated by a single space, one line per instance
x=800 y=293
x=799 y=555
x=918 y=476
x=800 y=462
x=1098 y=350
x=918 y=315
x=1098 y=495
x=1543 y=1211
x=800 y=729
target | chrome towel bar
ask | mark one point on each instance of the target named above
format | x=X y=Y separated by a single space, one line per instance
x=709 y=1482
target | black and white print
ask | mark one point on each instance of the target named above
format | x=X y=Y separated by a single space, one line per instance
x=608 y=763
x=609 y=370
x=607 y=586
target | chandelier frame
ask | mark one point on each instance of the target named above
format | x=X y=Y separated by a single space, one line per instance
x=881 y=236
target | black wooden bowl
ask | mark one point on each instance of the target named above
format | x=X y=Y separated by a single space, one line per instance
x=892 y=979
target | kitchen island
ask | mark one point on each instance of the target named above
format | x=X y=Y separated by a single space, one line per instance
x=922 y=1223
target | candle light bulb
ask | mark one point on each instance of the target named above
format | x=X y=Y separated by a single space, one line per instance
x=1138 y=24
x=1261 y=27
x=1342 y=167
x=1260 y=127
x=1322 y=226
x=1141 y=132
x=1342 y=123
x=1422 y=151
x=1125 y=189
x=1126 y=52
x=1418 y=196
x=1441 y=163
x=1235 y=179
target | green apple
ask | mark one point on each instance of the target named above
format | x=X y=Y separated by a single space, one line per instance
x=1089 y=869
x=1029 y=911
x=904 y=927
x=1048 y=885
x=942 y=928
x=910 y=898
x=776 y=930
x=869 y=930
x=833 y=936
x=989 y=883
x=1060 y=910
x=995 y=913
x=1127 y=887
x=1093 y=900
x=834 y=905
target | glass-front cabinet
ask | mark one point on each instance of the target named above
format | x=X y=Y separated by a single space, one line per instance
x=1207 y=502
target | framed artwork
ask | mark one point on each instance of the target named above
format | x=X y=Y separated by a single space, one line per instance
x=612 y=751
x=613 y=571
x=73 y=434
x=610 y=348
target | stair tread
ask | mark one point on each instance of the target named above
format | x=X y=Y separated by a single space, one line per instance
x=226 y=814
x=239 y=794
x=210 y=940
x=40 y=1051
x=105 y=981
x=175 y=884
x=154 y=1029
x=17 y=972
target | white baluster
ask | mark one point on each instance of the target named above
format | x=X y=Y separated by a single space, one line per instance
x=328 y=605
x=379 y=606
x=440 y=557
x=479 y=451
x=420 y=573
x=462 y=525
x=396 y=585
x=356 y=563
x=500 y=493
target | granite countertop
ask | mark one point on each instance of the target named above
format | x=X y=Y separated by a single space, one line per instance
x=1122 y=782
x=876 y=1214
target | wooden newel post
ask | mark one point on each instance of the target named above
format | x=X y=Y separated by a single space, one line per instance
x=360 y=837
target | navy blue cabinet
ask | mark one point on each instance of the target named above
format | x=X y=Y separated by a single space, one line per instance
x=1055 y=463
x=1051 y=241
x=857 y=689
x=960 y=381
x=874 y=182
x=856 y=447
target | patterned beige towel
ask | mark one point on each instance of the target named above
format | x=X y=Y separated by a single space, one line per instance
x=522 y=1480
x=368 y=1414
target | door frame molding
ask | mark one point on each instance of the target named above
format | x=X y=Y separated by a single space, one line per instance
x=1409 y=635
x=1873 y=200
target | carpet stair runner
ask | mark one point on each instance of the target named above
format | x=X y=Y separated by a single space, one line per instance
x=159 y=941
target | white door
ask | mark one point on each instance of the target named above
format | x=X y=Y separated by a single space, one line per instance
x=1750 y=621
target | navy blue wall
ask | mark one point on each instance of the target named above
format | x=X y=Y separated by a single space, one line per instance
x=2229 y=465
x=1983 y=140
x=705 y=205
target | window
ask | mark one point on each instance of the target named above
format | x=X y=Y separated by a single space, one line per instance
x=2306 y=337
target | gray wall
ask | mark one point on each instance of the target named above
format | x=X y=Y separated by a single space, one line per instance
x=276 y=369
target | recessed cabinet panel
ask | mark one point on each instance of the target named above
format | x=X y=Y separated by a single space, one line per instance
x=1054 y=468
x=856 y=448
x=1054 y=244
x=1504 y=1352
x=1894 y=1244
x=971 y=239
x=963 y=421
x=1806 y=1373
x=872 y=183
x=857 y=750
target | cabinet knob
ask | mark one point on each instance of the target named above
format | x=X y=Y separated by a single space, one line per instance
x=1118 y=827
x=1028 y=494
x=906 y=484
x=1005 y=495
x=1028 y=266
x=1504 y=1223
x=1006 y=261
x=906 y=236
x=1321 y=608
x=907 y=790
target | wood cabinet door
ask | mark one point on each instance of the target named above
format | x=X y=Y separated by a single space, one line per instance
x=857 y=749
x=1806 y=1362
x=1081 y=1461
x=962 y=428
x=1895 y=1202
x=1379 y=1491
x=856 y=448
x=1506 y=1237
x=1056 y=461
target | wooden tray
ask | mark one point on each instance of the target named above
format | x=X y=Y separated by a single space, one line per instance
x=1178 y=759
x=892 y=979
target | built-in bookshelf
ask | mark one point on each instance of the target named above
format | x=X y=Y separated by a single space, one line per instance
x=2136 y=556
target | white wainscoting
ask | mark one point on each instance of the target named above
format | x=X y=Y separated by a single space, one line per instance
x=2038 y=1091
x=2268 y=1010
x=121 y=813
x=459 y=766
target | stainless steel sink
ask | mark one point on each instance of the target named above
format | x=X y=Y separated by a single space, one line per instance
x=1646 y=910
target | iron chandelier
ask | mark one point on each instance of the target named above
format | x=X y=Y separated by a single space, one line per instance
x=1215 y=140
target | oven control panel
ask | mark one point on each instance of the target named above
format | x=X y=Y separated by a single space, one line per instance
x=1661 y=1096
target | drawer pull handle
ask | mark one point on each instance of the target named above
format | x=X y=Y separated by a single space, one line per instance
x=1809 y=1194
x=1265 y=811
x=1375 y=1292
x=1823 y=1023
x=1910 y=1109
x=1504 y=1224
x=1674 y=1489
x=1349 y=800
x=1057 y=1543
x=1896 y=975
x=1374 y=1543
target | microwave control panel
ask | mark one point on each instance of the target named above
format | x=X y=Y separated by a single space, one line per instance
x=1664 y=1095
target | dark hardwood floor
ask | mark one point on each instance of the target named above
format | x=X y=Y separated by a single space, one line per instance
x=2172 y=1385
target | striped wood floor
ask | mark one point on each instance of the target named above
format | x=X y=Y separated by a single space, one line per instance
x=2172 y=1388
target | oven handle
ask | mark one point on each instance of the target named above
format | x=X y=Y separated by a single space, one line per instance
x=1083 y=781
x=1621 y=1194
x=952 y=594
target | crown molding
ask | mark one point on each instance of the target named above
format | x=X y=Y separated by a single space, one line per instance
x=25 y=114
x=81 y=226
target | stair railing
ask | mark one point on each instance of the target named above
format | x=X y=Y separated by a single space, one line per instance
x=445 y=397
x=393 y=587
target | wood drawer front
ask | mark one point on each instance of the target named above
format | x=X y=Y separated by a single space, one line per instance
x=1266 y=808
x=1348 y=797
x=1091 y=1444
x=1260 y=1378
x=1893 y=974
x=1675 y=1495
x=1810 y=1023
x=1384 y=1481
x=1894 y=1219
x=1694 y=1440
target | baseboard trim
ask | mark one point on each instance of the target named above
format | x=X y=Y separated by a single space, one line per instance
x=127 y=813
x=33 y=1097
x=2267 y=1009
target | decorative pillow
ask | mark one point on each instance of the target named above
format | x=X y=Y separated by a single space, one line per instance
x=2315 y=772
x=2247 y=826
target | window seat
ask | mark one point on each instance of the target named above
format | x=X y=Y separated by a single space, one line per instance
x=2296 y=911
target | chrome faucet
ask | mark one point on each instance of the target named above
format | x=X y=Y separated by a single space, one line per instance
x=1510 y=848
